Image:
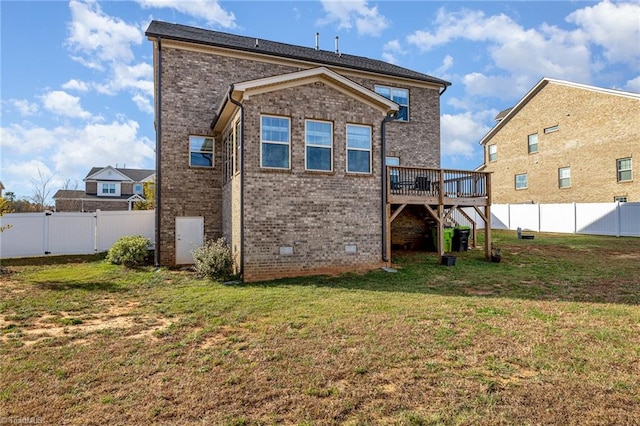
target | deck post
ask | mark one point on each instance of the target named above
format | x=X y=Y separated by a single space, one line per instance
x=487 y=221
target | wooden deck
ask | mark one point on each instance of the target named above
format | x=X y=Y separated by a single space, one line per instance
x=441 y=192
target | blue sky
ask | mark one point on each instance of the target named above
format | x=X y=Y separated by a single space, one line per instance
x=76 y=84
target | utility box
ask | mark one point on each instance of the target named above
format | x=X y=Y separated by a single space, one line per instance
x=460 y=240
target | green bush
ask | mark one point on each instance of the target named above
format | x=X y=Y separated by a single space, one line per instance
x=129 y=251
x=213 y=260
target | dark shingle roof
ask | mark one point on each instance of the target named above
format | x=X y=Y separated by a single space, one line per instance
x=136 y=175
x=68 y=193
x=248 y=44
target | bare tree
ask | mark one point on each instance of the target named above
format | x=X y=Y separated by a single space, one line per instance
x=41 y=190
x=73 y=204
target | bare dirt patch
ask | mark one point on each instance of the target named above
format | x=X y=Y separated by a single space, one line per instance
x=80 y=327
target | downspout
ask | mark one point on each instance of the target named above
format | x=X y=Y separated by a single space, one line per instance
x=383 y=160
x=241 y=160
x=444 y=89
x=156 y=251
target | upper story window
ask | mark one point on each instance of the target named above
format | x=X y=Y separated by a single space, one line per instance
x=358 y=149
x=625 y=172
x=493 y=152
x=620 y=199
x=521 y=181
x=200 y=151
x=319 y=145
x=533 y=143
x=137 y=188
x=399 y=96
x=108 y=189
x=552 y=129
x=564 y=177
x=275 y=142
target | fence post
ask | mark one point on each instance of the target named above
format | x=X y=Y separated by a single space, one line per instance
x=95 y=230
x=575 y=217
x=618 y=219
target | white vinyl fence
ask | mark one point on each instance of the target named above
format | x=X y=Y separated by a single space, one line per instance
x=38 y=234
x=617 y=219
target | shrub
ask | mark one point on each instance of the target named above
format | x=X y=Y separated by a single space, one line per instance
x=129 y=251
x=213 y=260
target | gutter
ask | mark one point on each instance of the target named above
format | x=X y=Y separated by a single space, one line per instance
x=444 y=89
x=241 y=161
x=156 y=251
x=383 y=207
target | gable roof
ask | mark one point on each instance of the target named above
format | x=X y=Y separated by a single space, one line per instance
x=507 y=114
x=135 y=175
x=244 y=90
x=188 y=34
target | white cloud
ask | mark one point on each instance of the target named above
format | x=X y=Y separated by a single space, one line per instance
x=143 y=103
x=209 y=10
x=460 y=133
x=367 y=20
x=62 y=103
x=633 y=85
x=25 y=107
x=447 y=63
x=79 y=86
x=72 y=151
x=99 y=37
x=525 y=55
x=614 y=26
x=390 y=51
x=138 y=78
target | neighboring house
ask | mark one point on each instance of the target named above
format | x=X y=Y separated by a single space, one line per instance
x=106 y=188
x=281 y=150
x=566 y=142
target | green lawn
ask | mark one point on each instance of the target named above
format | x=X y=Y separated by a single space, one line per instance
x=551 y=335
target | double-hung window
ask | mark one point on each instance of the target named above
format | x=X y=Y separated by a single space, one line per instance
x=275 y=142
x=493 y=152
x=319 y=145
x=521 y=181
x=399 y=96
x=533 y=143
x=625 y=172
x=200 y=151
x=137 y=188
x=108 y=188
x=564 y=177
x=358 y=149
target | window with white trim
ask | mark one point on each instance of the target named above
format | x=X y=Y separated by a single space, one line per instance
x=564 y=177
x=108 y=189
x=137 y=188
x=532 y=141
x=625 y=171
x=552 y=129
x=399 y=96
x=358 y=148
x=319 y=145
x=493 y=152
x=620 y=199
x=275 y=142
x=201 y=151
x=521 y=181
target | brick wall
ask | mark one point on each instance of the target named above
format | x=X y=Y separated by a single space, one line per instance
x=595 y=129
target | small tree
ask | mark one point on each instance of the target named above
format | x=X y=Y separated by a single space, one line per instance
x=41 y=190
x=149 y=193
x=4 y=208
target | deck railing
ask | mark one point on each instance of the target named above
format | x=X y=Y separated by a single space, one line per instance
x=423 y=182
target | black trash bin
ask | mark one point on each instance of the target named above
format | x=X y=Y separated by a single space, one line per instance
x=460 y=238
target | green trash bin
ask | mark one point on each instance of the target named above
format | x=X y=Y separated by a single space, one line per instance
x=447 y=235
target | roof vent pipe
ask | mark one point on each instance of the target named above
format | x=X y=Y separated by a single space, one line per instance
x=256 y=42
x=337 y=50
x=317 y=41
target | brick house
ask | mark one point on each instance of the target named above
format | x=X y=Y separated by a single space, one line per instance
x=565 y=142
x=106 y=188
x=282 y=150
